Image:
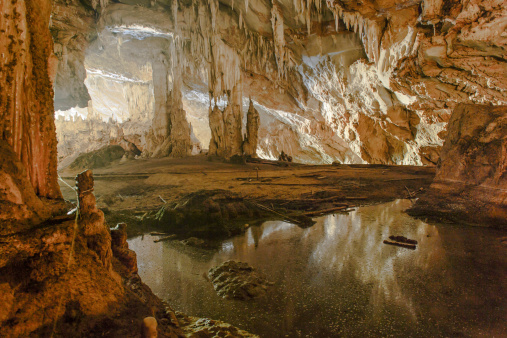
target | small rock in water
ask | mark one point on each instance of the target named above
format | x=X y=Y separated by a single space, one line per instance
x=194 y=241
x=238 y=280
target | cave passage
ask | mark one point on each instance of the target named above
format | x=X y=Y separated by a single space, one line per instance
x=225 y=168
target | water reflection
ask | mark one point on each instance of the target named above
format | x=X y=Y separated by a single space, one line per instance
x=338 y=279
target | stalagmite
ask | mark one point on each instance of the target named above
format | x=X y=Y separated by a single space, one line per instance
x=252 y=129
x=170 y=131
x=226 y=139
x=91 y=219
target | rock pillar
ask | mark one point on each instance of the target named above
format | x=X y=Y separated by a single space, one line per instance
x=252 y=131
x=26 y=95
x=226 y=138
x=91 y=219
x=170 y=130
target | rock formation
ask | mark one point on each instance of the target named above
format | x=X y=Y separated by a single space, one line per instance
x=21 y=208
x=238 y=280
x=252 y=131
x=332 y=81
x=226 y=126
x=26 y=98
x=121 y=249
x=471 y=180
x=91 y=219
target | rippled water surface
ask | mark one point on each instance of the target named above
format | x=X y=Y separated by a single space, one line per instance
x=337 y=278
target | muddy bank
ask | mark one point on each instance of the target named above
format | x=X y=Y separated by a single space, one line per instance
x=197 y=197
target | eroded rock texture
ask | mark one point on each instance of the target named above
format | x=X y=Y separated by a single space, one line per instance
x=471 y=180
x=26 y=93
x=332 y=81
x=20 y=207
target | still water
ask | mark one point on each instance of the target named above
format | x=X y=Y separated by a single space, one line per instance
x=337 y=278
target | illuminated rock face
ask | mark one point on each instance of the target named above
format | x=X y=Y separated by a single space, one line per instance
x=332 y=81
x=252 y=131
x=26 y=98
x=471 y=180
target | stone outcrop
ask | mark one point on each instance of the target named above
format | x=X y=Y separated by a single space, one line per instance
x=471 y=180
x=252 y=131
x=121 y=249
x=204 y=327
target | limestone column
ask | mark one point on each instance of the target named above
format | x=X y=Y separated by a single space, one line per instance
x=226 y=137
x=170 y=129
x=252 y=131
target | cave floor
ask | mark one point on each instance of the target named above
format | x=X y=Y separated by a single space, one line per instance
x=148 y=184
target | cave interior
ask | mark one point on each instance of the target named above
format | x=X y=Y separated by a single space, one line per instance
x=253 y=168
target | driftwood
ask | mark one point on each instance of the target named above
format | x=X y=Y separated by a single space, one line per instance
x=403 y=245
x=154 y=233
x=403 y=239
x=276 y=212
x=324 y=211
x=404 y=179
x=288 y=184
x=166 y=238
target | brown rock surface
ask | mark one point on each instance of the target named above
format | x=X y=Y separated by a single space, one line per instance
x=121 y=249
x=471 y=180
x=26 y=95
x=91 y=219
x=20 y=207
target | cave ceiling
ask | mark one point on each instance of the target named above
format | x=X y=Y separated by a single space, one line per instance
x=347 y=81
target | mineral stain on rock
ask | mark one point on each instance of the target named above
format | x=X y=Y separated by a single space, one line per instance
x=238 y=280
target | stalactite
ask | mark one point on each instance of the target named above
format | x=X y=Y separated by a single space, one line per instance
x=369 y=30
x=175 y=14
x=278 y=36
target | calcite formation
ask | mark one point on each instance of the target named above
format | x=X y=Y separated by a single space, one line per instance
x=226 y=138
x=252 y=131
x=20 y=207
x=91 y=219
x=351 y=82
x=26 y=95
x=471 y=180
x=121 y=249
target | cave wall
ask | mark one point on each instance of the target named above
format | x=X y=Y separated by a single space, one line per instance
x=26 y=92
x=338 y=81
x=471 y=181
